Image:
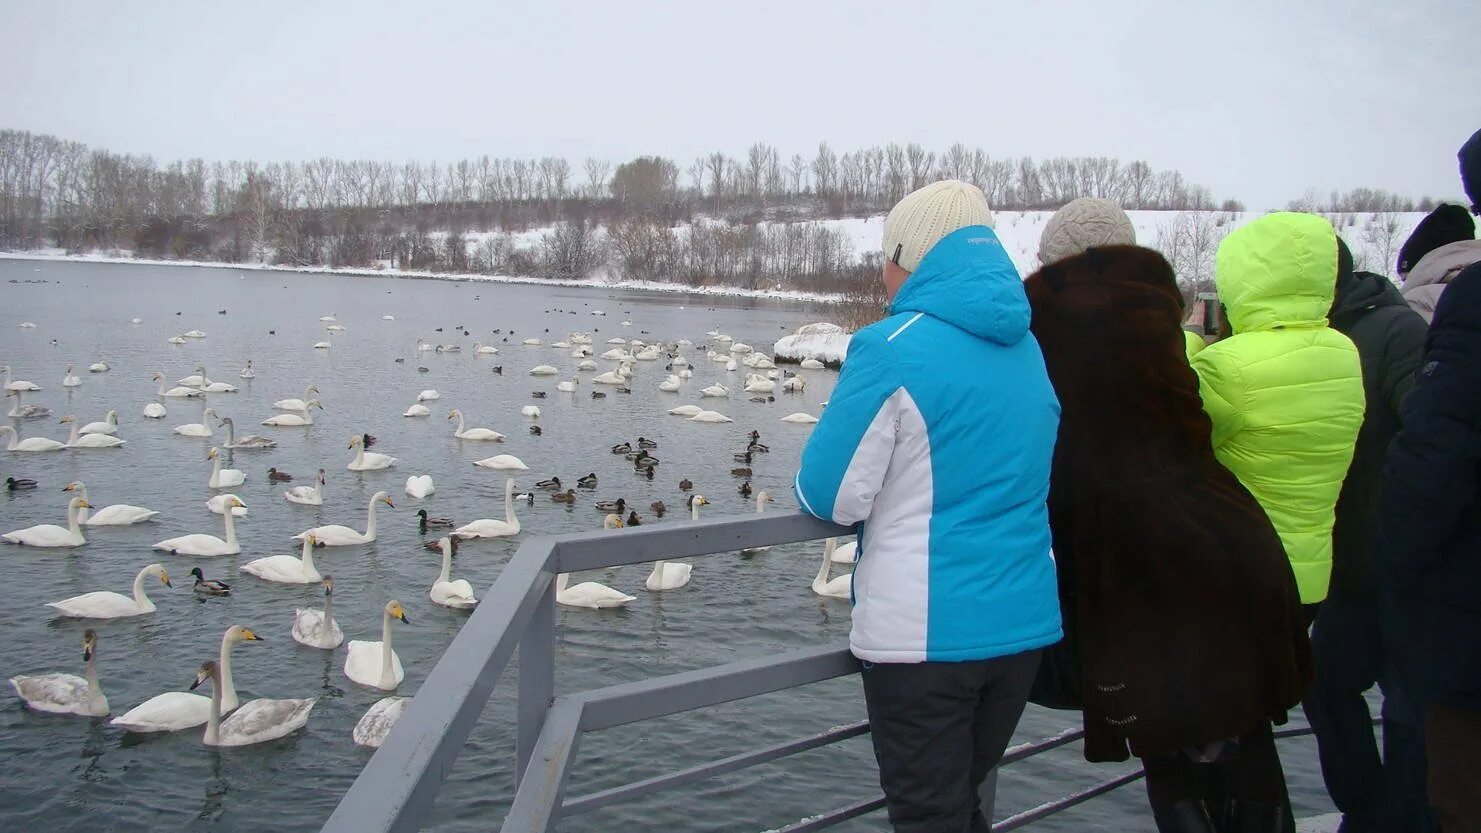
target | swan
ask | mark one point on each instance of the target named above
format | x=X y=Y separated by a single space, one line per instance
x=330 y=318
x=297 y=404
x=177 y=340
x=671 y=575
x=489 y=528
x=760 y=384
x=176 y=710
x=839 y=587
x=740 y=347
x=223 y=478
x=378 y=719
x=287 y=569
x=108 y=426
x=568 y=387
x=119 y=514
x=196 y=381
x=218 y=387
x=175 y=392
x=800 y=418
x=207 y=545
x=763 y=497
x=710 y=416
x=368 y=460
x=810 y=364
x=670 y=384
x=66 y=693
x=79 y=440
x=256 y=721
x=17 y=384
x=218 y=506
x=847 y=553
x=544 y=370
x=51 y=535
x=337 y=535
x=251 y=441
x=19 y=411
x=531 y=342
x=445 y=590
x=714 y=391
x=484 y=349
x=323 y=345
x=375 y=664
x=317 y=628
x=193 y=334
x=531 y=411
x=503 y=462
x=198 y=429
x=69 y=380
x=308 y=495
x=154 y=410
x=31 y=443
x=420 y=486
x=418 y=410
x=685 y=410
x=248 y=372
x=294 y=420
x=105 y=604
x=484 y=434
x=428 y=395
x=591 y=594
x=608 y=378
x=586 y=364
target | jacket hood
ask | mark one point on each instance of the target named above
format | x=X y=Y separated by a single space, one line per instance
x=968 y=281
x=1279 y=271
x=1444 y=263
x=1360 y=292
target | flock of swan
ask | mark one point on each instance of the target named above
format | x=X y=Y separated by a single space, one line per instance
x=373 y=664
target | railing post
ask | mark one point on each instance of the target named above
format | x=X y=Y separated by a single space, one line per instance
x=536 y=679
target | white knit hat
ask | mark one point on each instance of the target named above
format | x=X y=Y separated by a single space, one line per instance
x=925 y=216
x=1082 y=224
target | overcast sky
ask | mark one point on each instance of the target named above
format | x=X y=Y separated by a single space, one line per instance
x=1259 y=99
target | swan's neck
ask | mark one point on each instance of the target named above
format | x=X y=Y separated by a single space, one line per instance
x=231 y=526
x=216 y=470
x=388 y=672
x=111 y=419
x=459 y=430
x=828 y=549
x=225 y=684
x=447 y=565
x=560 y=583
x=94 y=689
x=509 y=503
x=308 y=558
x=213 y=725
x=74 y=522
x=359 y=455
x=694 y=511
x=140 y=597
x=319 y=488
x=370 y=519
x=657 y=574
x=161 y=387
x=15 y=438
x=83 y=512
x=76 y=430
x=231 y=434
x=328 y=614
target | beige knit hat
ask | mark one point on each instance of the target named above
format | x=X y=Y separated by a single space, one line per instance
x=925 y=216
x=1082 y=224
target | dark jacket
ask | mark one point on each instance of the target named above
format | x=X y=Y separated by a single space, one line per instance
x=1430 y=556
x=1390 y=340
x=1174 y=580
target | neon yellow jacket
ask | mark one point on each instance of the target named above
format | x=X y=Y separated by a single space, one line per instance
x=1285 y=392
x=1193 y=343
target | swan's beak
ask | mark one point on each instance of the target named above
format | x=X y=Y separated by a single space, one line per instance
x=402 y=616
x=84 y=505
x=251 y=636
x=200 y=678
x=390 y=504
x=164 y=578
x=70 y=487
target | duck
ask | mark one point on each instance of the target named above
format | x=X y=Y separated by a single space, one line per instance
x=176 y=710
x=287 y=569
x=368 y=460
x=275 y=476
x=30 y=444
x=839 y=587
x=484 y=434
x=538 y=394
x=317 y=628
x=377 y=721
x=223 y=478
x=686 y=484
x=745 y=488
x=58 y=693
x=633 y=519
x=256 y=721
x=178 y=392
x=619 y=505
x=658 y=508
x=338 y=535
x=105 y=604
x=754 y=447
x=449 y=592
x=420 y=486
x=587 y=481
x=295 y=420
x=118 y=514
x=622 y=448
x=553 y=484
x=491 y=528
x=568 y=496
x=209 y=587
x=590 y=594
x=741 y=471
x=16 y=484
x=250 y=442
x=502 y=462
x=596 y=394
x=51 y=536
x=424 y=521
x=375 y=664
x=743 y=457
x=297 y=404
x=671 y=575
x=207 y=545
x=643 y=442
x=308 y=495
x=108 y=425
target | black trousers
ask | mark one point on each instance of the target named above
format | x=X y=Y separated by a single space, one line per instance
x=1454 y=742
x=938 y=729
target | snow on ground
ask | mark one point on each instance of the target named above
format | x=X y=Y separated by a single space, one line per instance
x=828 y=343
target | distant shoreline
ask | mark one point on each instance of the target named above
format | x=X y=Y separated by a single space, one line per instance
x=635 y=286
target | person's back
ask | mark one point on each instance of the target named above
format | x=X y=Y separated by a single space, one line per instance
x=1285 y=392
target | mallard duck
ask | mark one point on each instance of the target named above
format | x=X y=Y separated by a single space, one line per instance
x=209 y=586
x=644 y=460
x=658 y=508
x=743 y=457
x=596 y=394
x=623 y=389
x=644 y=442
x=757 y=448
x=498 y=369
x=16 y=484
x=587 y=482
x=760 y=400
x=633 y=519
x=527 y=497
x=618 y=506
x=645 y=471
x=741 y=471
x=279 y=476
x=622 y=448
x=754 y=436
x=535 y=430
x=745 y=489
x=568 y=496
x=686 y=484
x=553 y=484
x=537 y=394
x=424 y=521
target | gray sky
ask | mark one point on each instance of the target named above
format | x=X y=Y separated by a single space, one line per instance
x=1258 y=99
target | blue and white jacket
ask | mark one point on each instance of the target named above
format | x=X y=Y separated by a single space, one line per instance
x=937 y=443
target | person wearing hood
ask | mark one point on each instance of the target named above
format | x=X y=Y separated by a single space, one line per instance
x=1440 y=247
x=936 y=445
x=1180 y=608
x=1373 y=794
x=1285 y=391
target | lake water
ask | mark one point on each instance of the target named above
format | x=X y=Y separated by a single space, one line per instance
x=68 y=773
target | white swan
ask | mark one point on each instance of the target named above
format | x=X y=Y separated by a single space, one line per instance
x=420 y=486
x=490 y=528
x=531 y=411
x=20 y=411
x=251 y=441
x=484 y=349
x=317 y=628
x=763 y=497
x=105 y=604
x=368 y=460
x=375 y=664
x=196 y=381
x=154 y=410
x=608 y=378
x=846 y=553
x=373 y=727
x=810 y=364
x=714 y=391
x=325 y=344
x=330 y=318
x=119 y=514
x=218 y=387
x=308 y=495
x=669 y=384
x=531 y=342
x=502 y=462
x=483 y=434
x=568 y=387
x=760 y=384
x=338 y=535
x=449 y=592
x=585 y=363
x=197 y=429
x=79 y=440
x=223 y=478
x=710 y=416
x=800 y=418
x=428 y=395
x=839 y=587
x=219 y=506
x=294 y=420
x=297 y=404
x=193 y=334
x=207 y=545
x=671 y=575
x=794 y=384
x=544 y=370
x=17 y=384
x=69 y=379
x=591 y=594
x=423 y=346
x=109 y=425
x=176 y=710
x=685 y=410
x=51 y=535
x=248 y=372
x=179 y=392
x=287 y=569
x=418 y=410
x=66 y=693
x=30 y=443
x=256 y=721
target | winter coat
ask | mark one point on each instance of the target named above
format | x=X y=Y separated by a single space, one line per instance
x=1430 y=550
x=937 y=442
x=1427 y=280
x=1183 y=603
x=1390 y=340
x=1194 y=343
x=1285 y=392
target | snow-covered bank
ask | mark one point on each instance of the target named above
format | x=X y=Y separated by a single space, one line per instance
x=827 y=343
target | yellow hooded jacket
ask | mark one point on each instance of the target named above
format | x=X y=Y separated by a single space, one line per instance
x=1285 y=392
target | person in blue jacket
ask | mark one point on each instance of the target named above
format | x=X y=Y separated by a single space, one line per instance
x=936 y=444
